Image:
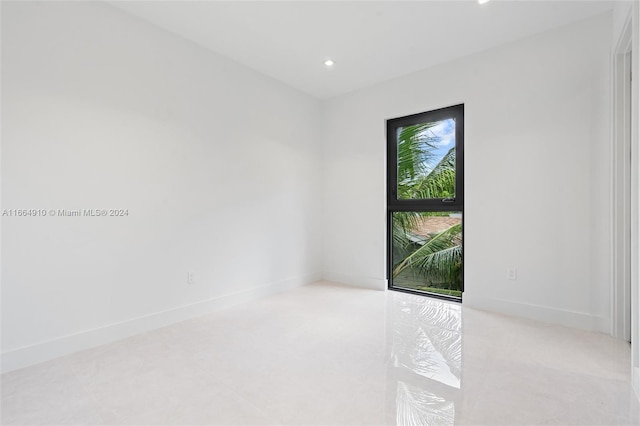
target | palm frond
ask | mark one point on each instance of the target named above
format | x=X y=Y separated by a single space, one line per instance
x=440 y=182
x=440 y=256
x=423 y=174
x=416 y=148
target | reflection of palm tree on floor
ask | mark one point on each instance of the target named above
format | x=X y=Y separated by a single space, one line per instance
x=431 y=261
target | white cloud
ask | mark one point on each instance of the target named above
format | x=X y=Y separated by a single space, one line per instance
x=444 y=132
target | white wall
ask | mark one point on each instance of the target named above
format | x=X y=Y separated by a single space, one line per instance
x=216 y=164
x=218 y=167
x=621 y=11
x=536 y=173
x=634 y=11
x=635 y=186
x=624 y=13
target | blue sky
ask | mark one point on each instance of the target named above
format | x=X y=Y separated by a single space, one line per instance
x=445 y=132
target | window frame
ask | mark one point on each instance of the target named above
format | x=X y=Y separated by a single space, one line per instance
x=423 y=205
x=456 y=112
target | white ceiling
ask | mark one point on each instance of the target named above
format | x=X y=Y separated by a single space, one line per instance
x=370 y=41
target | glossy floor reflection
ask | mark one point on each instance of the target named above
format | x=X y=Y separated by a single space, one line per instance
x=332 y=355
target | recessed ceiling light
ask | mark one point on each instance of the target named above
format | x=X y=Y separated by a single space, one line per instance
x=483 y=1
x=329 y=63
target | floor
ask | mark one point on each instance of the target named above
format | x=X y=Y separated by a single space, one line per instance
x=332 y=355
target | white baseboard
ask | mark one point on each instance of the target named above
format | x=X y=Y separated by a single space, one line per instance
x=356 y=281
x=546 y=314
x=635 y=380
x=50 y=349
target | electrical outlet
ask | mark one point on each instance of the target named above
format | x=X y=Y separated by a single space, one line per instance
x=191 y=278
x=512 y=274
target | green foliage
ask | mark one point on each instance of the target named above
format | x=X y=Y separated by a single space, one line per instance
x=440 y=182
x=437 y=259
x=415 y=153
x=419 y=175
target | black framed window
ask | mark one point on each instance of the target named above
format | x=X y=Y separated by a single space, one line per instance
x=425 y=202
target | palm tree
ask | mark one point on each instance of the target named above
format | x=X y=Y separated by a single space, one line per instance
x=438 y=258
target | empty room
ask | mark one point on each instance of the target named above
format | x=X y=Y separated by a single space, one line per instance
x=319 y=212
